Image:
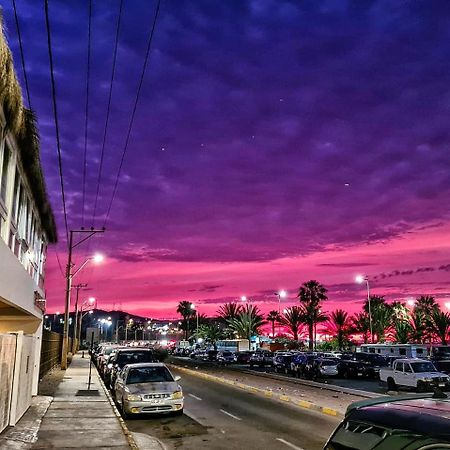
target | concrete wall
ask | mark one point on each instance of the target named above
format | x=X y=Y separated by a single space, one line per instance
x=7 y=359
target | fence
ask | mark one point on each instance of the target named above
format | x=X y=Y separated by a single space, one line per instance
x=51 y=351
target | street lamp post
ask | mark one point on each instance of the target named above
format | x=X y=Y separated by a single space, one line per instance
x=75 y=325
x=69 y=277
x=361 y=279
x=196 y=313
x=280 y=294
x=82 y=316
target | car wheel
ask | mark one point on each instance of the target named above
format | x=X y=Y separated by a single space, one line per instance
x=124 y=412
x=421 y=387
x=391 y=384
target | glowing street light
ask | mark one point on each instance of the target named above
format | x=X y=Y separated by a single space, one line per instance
x=244 y=298
x=193 y=307
x=447 y=305
x=280 y=294
x=360 y=279
x=410 y=302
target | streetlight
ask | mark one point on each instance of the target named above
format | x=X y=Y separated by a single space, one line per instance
x=69 y=276
x=244 y=298
x=411 y=302
x=90 y=303
x=447 y=305
x=280 y=294
x=193 y=307
x=360 y=279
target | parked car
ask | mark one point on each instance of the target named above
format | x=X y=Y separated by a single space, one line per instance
x=261 y=358
x=243 y=357
x=226 y=357
x=301 y=363
x=394 y=423
x=322 y=368
x=414 y=373
x=122 y=358
x=148 y=388
x=353 y=365
x=282 y=362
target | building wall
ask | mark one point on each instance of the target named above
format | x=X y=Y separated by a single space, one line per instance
x=7 y=357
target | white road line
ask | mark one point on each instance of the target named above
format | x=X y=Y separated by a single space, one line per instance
x=231 y=415
x=194 y=396
x=289 y=444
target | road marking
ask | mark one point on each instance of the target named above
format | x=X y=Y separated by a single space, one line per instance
x=231 y=415
x=289 y=444
x=194 y=396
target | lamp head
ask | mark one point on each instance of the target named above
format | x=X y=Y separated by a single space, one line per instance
x=360 y=279
x=282 y=293
x=244 y=298
x=98 y=258
x=192 y=306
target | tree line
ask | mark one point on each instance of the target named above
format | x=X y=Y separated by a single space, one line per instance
x=424 y=322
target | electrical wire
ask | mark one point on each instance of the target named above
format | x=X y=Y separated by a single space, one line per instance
x=130 y=126
x=22 y=56
x=108 y=109
x=55 y=116
x=86 y=113
x=59 y=262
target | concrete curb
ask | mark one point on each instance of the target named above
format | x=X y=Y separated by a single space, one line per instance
x=264 y=392
x=128 y=435
x=315 y=384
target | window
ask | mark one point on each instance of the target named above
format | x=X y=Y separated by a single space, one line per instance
x=407 y=368
x=402 y=351
x=4 y=174
x=16 y=195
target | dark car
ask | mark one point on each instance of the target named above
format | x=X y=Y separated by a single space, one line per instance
x=440 y=356
x=243 y=357
x=282 y=362
x=261 y=358
x=301 y=364
x=226 y=357
x=123 y=357
x=363 y=364
x=322 y=368
x=394 y=423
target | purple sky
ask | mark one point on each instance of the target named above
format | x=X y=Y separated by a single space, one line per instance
x=274 y=141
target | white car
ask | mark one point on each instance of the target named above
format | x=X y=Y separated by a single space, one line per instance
x=415 y=373
x=148 y=388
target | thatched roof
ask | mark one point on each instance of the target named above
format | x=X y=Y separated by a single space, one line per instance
x=21 y=123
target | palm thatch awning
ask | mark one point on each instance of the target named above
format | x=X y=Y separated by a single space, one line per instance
x=21 y=124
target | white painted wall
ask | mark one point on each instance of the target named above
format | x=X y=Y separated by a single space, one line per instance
x=7 y=358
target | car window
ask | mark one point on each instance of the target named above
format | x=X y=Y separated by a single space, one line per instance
x=407 y=368
x=425 y=366
x=148 y=375
x=134 y=357
x=399 y=366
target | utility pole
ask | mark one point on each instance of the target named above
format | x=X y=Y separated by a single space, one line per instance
x=77 y=287
x=69 y=277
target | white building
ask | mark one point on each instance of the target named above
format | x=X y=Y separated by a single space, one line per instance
x=27 y=226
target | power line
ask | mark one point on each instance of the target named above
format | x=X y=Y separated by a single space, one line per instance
x=108 y=109
x=59 y=262
x=141 y=80
x=86 y=120
x=55 y=116
x=22 y=57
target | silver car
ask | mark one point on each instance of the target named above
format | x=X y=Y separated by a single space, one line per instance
x=148 y=388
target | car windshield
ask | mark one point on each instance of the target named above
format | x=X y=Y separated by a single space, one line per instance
x=418 y=367
x=329 y=362
x=134 y=357
x=155 y=374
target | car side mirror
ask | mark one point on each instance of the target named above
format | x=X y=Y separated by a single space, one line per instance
x=177 y=378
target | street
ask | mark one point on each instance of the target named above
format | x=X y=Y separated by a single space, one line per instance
x=224 y=417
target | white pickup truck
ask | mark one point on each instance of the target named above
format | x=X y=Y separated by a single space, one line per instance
x=415 y=373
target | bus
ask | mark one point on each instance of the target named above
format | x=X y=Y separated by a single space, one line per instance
x=400 y=350
x=233 y=345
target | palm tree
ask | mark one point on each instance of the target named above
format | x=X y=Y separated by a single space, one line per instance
x=210 y=332
x=427 y=305
x=247 y=323
x=294 y=320
x=311 y=295
x=402 y=331
x=381 y=314
x=441 y=325
x=340 y=326
x=400 y=312
x=361 y=324
x=229 y=311
x=418 y=325
x=184 y=308
x=273 y=317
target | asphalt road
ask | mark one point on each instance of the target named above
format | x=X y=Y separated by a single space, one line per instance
x=219 y=416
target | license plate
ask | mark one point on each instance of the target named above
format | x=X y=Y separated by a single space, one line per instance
x=441 y=385
x=156 y=401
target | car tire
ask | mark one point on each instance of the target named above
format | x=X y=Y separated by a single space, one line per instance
x=125 y=415
x=391 y=384
x=421 y=387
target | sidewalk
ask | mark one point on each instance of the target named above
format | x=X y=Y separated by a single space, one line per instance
x=78 y=418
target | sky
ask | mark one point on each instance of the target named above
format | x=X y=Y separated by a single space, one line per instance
x=274 y=142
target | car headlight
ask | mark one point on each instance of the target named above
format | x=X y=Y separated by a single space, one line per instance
x=427 y=380
x=134 y=398
x=177 y=395
x=110 y=366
